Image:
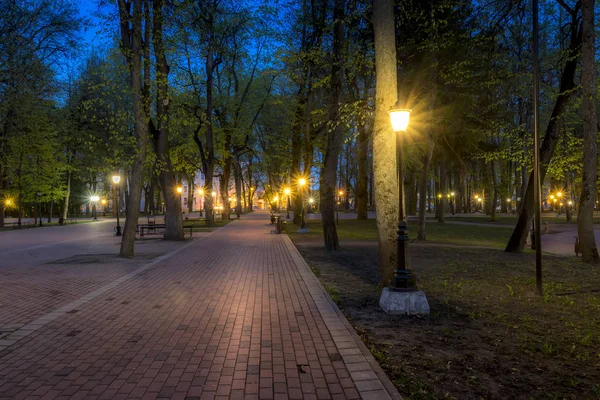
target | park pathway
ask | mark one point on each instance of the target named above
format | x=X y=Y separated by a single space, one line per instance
x=235 y=314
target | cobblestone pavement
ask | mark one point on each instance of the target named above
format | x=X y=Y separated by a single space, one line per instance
x=235 y=314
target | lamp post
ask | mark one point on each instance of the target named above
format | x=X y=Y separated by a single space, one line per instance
x=287 y=196
x=116 y=180
x=301 y=184
x=568 y=210
x=404 y=279
x=339 y=204
x=453 y=203
x=94 y=199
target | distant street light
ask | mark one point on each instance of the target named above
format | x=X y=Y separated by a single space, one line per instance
x=338 y=205
x=103 y=201
x=404 y=279
x=94 y=199
x=116 y=180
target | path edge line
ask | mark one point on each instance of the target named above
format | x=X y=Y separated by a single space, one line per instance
x=301 y=263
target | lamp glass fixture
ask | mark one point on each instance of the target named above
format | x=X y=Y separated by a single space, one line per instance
x=399 y=117
x=116 y=178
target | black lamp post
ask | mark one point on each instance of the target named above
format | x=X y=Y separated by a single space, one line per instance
x=339 y=204
x=287 y=195
x=404 y=279
x=116 y=179
x=39 y=196
x=94 y=199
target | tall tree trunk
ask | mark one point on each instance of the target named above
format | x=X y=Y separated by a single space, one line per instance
x=423 y=187
x=494 y=196
x=238 y=187
x=296 y=153
x=363 y=172
x=334 y=136
x=173 y=220
x=384 y=155
x=190 y=193
x=151 y=198
x=65 y=210
x=131 y=46
x=566 y=93
x=585 y=218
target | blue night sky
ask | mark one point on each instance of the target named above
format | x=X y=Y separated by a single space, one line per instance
x=92 y=33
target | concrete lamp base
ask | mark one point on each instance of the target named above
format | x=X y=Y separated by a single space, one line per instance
x=396 y=302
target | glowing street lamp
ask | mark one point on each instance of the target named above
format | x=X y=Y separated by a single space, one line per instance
x=399 y=117
x=301 y=184
x=116 y=180
x=179 y=189
x=404 y=279
x=338 y=205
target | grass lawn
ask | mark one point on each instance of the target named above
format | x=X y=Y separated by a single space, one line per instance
x=512 y=219
x=45 y=224
x=199 y=225
x=352 y=229
x=489 y=336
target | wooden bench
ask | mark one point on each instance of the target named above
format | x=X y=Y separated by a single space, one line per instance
x=151 y=229
x=155 y=229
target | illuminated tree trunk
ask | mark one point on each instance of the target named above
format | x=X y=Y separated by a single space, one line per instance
x=173 y=221
x=334 y=136
x=131 y=47
x=384 y=155
x=585 y=218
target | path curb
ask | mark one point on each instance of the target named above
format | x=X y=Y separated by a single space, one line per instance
x=302 y=264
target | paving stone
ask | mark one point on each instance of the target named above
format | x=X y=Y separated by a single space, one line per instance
x=236 y=314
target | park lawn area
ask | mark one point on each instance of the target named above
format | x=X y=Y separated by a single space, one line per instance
x=199 y=224
x=511 y=220
x=489 y=336
x=353 y=229
x=45 y=224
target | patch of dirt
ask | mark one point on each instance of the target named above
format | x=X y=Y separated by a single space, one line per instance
x=488 y=336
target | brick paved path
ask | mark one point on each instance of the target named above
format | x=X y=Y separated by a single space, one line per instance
x=236 y=314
